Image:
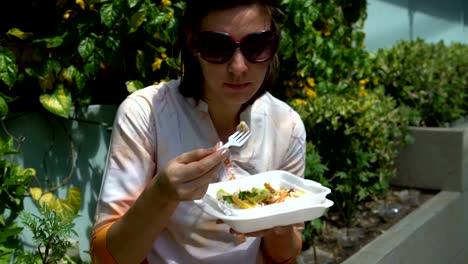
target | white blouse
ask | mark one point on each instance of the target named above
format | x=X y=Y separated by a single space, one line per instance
x=156 y=124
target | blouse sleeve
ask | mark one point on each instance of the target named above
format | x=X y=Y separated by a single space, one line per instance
x=294 y=161
x=130 y=162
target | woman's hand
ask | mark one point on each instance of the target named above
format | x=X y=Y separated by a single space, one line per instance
x=187 y=176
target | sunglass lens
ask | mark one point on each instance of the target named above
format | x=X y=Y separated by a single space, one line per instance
x=215 y=47
x=260 y=47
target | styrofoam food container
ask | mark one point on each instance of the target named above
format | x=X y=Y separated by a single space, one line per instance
x=308 y=207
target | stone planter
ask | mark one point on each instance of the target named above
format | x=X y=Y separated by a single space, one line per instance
x=58 y=148
x=435 y=233
x=437 y=160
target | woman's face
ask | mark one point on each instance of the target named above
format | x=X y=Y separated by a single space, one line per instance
x=233 y=83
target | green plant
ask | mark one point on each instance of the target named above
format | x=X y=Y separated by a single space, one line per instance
x=432 y=78
x=357 y=137
x=322 y=44
x=52 y=228
x=14 y=181
x=93 y=51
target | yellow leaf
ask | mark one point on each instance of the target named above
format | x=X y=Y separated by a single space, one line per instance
x=60 y=206
x=28 y=172
x=47 y=199
x=36 y=193
x=73 y=199
x=19 y=34
x=58 y=103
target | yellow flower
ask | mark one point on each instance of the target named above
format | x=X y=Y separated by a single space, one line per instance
x=362 y=92
x=163 y=56
x=300 y=101
x=81 y=3
x=375 y=81
x=157 y=64
x=310 y=93
x=364 y=81
x=66 y=15
x=301 y=73
x=166 y=3
x=311 y=82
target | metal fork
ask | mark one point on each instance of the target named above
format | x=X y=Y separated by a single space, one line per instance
x=237 y=139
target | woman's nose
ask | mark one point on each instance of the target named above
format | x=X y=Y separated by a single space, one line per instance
x=238 y=63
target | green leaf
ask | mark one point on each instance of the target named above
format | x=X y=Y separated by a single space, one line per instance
x=19 y=34
x=53 y=42
x=136 y=20
x=58 y=103
x=3 y=107
x=69 y=73
x=86 y=47
x=140 y=62
x=80 y=80
x=92 y=66
x=133 y=86
x=8 y=67
x=133 y=3
x=109 y=15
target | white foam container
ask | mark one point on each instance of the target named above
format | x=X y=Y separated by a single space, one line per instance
x=292 y=211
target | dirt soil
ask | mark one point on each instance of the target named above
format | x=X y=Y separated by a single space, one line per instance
x=337 y=243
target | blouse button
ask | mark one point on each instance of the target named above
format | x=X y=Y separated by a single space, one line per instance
x=227 y=161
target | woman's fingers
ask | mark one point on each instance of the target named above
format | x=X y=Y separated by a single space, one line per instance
x=197 y=187
x=205 y=165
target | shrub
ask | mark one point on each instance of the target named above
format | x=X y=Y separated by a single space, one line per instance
x=357 y=137
x=432 y=78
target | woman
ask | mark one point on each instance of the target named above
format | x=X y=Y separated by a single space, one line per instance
x=164 y=150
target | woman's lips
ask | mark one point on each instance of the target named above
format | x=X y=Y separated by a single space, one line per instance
x=237 y=86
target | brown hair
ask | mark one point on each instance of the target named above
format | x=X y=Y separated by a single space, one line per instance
x=196 y=10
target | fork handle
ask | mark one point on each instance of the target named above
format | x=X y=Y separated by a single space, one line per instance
x=226 y=145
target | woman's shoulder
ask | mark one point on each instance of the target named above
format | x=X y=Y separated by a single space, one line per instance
x=276 y=107
x=151 y=97
x=156 y=90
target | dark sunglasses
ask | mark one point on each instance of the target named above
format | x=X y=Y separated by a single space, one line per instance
x=218 y=47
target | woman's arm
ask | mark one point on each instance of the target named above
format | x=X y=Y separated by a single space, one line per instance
x=136 y=205
x=185 y=178
x=282 y=245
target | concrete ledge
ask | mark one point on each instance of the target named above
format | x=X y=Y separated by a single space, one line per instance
x=435 y=233
x=437 y=160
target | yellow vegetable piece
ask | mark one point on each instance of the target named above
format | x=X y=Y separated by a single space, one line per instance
x=241 y=203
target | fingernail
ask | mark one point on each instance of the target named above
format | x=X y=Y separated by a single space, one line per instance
x=218 y=145
x=224 y=151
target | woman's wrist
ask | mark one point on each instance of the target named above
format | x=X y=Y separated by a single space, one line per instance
x=282 y=245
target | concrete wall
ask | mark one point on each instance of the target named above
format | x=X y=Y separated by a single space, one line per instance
x=435 y=233
x=392 y=20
